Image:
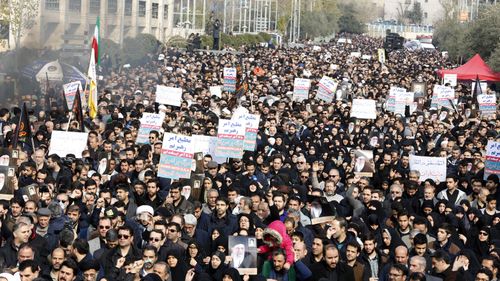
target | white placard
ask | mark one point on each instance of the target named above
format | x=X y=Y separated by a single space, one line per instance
x=63 y=143
x=326 y=89
x=168 y=95
x=356 y=54
x=149 y=122
x=301 y=88
x=429 y=167
x=450 y=79
x=364 y=109
x=216 y=91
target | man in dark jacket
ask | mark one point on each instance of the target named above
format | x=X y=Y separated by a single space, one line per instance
x=8 y=253
x=331 y=268
x=222 y=219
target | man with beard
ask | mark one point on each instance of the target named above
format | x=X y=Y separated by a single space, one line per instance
x=176 y=203
x=371 y=256
x=68 y=271
x=331 y=268
x=57 y=258
x=122 y=194
x=60 y=173
x=152 y=198
x=222 y=219
x=361 y=270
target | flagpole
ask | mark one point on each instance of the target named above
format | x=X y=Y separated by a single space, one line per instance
x=69 y=120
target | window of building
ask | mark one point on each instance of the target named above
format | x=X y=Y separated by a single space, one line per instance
x=165 y=11
x=95 y=6
x=142 y=9
x=52 y=4
x=128 y=7
x=154 y=10
x=75 y=5
x=112 y=6
x=425 y=14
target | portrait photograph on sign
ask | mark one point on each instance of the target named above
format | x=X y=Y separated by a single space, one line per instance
x=243 y=253
x=419 y=89
x=7 y=174
x=363 y=163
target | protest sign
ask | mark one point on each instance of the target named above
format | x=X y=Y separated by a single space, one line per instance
x=251 y=123
x=366 y=57
x=394 y=92
x=7 y=174
x=487 y=104
x=168 y=95
x=176 y=157
x=402 y=100
x=364 y=109
x=243 y=252
x=230 y=139
x=450 y=79
x=216 y=91
x=356 y=54
x=301 y=88
x=149 y=122
x=363 y=163
x=419 y=89
x=442 y=96
x=204 y=144
x=326 y=89
x=230 y=79
x=381 y=55
x=63 y=143
x=70 y=90
x=429 y=167
x=492 y=164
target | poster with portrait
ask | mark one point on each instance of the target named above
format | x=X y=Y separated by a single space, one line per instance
x=243 y=252
x=363 y=163
x=7 y=174
x=419 y=89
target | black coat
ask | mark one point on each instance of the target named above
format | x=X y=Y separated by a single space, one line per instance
x=342 y=272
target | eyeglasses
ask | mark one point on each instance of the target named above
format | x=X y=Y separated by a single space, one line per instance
x=123 y=236
x=155 y=239
x=104 y=227
x=483 y=233
x=333 y=176
x=304 y=177
x=301 y=162
x=151 y=138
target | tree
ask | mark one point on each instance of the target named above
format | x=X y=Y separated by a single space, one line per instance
x=21 y=16
x=482 y=35
x=321 y=20
x=416 y=14
x=494 y=61
x=449 y=35
x=349 y=21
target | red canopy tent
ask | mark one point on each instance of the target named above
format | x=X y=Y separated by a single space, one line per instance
x=475 y=67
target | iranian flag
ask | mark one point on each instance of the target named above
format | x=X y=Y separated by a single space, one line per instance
x=92 y=74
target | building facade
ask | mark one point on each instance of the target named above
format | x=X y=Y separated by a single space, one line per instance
x=432 y=10
x=68 y=24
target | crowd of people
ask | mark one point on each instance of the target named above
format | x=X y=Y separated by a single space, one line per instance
x=108 y=216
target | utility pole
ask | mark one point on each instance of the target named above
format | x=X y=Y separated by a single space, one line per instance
x=224 y=17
